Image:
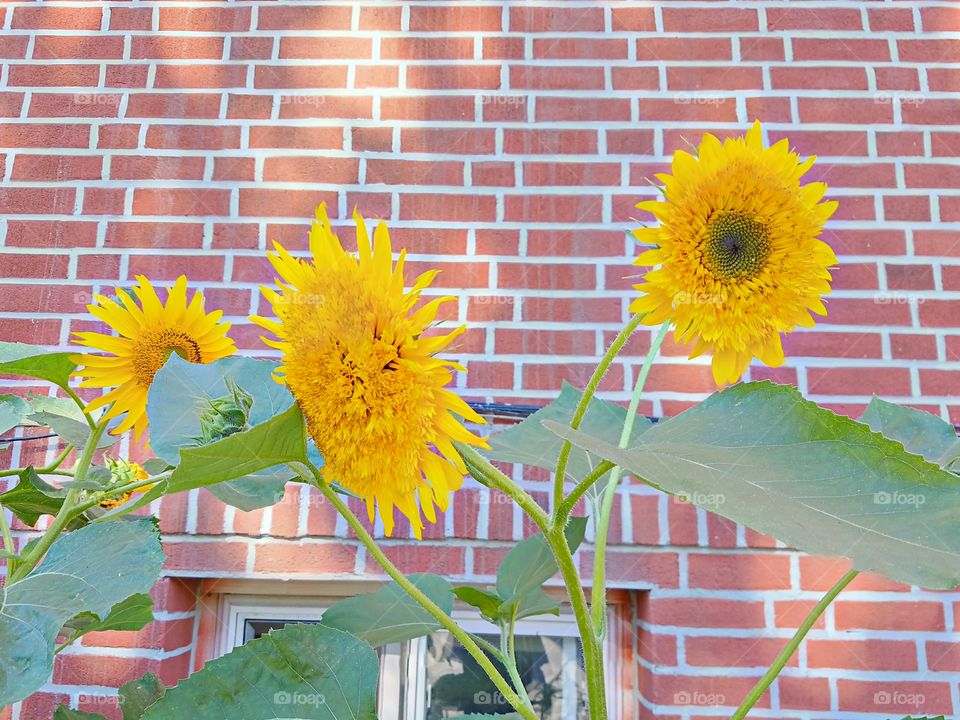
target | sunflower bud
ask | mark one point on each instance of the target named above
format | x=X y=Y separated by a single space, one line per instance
x=225 y=415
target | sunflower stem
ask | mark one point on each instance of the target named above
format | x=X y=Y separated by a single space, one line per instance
x=588 y=393
x=592 y=648
x=570 y=501
x=5 y=531
x=65 y=514
x=82 y=405
x=315 y=478
x=761 y=687
x=598 y=598
x=487 y=474
x=508 y=650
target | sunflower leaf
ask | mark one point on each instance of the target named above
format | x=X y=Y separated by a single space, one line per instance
x=87 y=570
x=280 y=440
x=389 y=615
x=31 y=498
x=305 y=671
x=12 y=410
x=762 y=455
x=133 y=613
x=181 y=399
x=531 y=563
x=64 y=713
x=137 y=695
x=920 y=432
x=529 y=443
x=36 y=362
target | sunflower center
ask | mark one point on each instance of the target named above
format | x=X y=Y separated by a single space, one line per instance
x=154 y=348
x=737 y=246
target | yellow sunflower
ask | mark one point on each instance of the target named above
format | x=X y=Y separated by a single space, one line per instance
x=365 y=375
x=149 y=331
x=737 y=254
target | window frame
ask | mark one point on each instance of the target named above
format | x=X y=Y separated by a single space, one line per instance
x=234 y=608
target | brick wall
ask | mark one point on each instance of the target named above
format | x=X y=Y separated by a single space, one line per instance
x=507 y=143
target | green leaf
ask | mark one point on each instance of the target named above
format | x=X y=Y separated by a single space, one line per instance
x=131 y=614
x=87 y=570
x=254 y=491
x=762 y=455
x=36 y=362
x=920 y=432
x=530 y=443
x=305 y=671
x=487 y=602
x=64 y=713
x=474 y=716
x=389 y=615
x=156 y=466
x=536 y=602
x=531 y=563
x=31 y=497
x=137 y=695
x=281 y=439
x=182 y=392
x=66 y=419
x=12 y=410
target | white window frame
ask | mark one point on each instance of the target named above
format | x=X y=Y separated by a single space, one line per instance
x=236 y=609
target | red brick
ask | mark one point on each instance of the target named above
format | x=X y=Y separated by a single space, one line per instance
x=736 y=652
x=501 y=174
x=291 y=136
x=181 y=201
x=57 y=167
x=74 y=105
x=467 y=141
x=629 y=142
x=939 y=19
x=118 y=136
x=47 y=234
x=719 y=20
x=62 y=75
x=561 y=77
x=21 y=265
x=939 y=313
x=844 y=111
x=579 y=310
x=34 y=200
x=559 y=174
x=870 y=242
x=580 y=49
x=131 y=18
x=549 y=376
x=906 y=207
x=792 y=18
x=453 y=77
x=756 y=571
x=549 y=142
x=342 y=171
x=550 y=109
x=140 y=234
x=897 y=78
x=819 y=78
x=829 y=344
x=689 y=108
x=225 y=556
x=453 y=207
x=939 y=382
x=305 y=17
x=502 y=48
x=555 y=19
x=660 y=568
x=759 y=49
x=635 y=78
x=200 y=76
x=553 y=208
x=380 y=17
x=913 y=347
x=681 y=378
x=634 y=19
x=426 y=48
x=414 y=172
x=440 y=559
x=300 y=76
x=890 y=19
x=88 y=47
x=251 y=48
x=909 y=277
x=716 y=77
x=846 y=49
x=660 y=49
x=283 y=203
x=902 y=616
x=43 y=332
x=937 y=243
x=205 y=19
x=928 y=50
x=824 y=143
x=57 y=18
x=193 y=137
x=918 y=110
x=483 y=18
x=859 y=381
x=943 y=656
x=169 y=47
x=428 y=107
x=802 y=693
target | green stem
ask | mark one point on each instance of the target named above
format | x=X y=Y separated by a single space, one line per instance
x=588 y=393
x=592 y=648
x=566 y=507
x=5 y=531
x=65 y=514
x=414 y=592
x=508 y=650
x=100 y=496
x=82 y=405
x=486 y=473
x=598 y=598
x=761 y=687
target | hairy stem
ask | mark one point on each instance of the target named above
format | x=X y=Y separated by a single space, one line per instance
x=486 y=473
x=761 y=687
x=508 y=650
x=598 y=598
x=566 y=507
x=5 y=531
x=615 y=347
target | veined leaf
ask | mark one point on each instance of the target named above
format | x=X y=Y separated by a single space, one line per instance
x=530 y=443
x=304 y=671
x=762 y=455
x=920 y=432
x=389 y=615
x=36 y=362
x=531 y=563
x=133 y=613
x=87 y=570
x=137 y=695
x=12 y=410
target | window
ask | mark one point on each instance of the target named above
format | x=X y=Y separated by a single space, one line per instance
x=433 y=677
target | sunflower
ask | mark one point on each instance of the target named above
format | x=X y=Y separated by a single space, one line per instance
x=123 y=472
x=365 y=374
x=737 y=254
x=149 y=332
